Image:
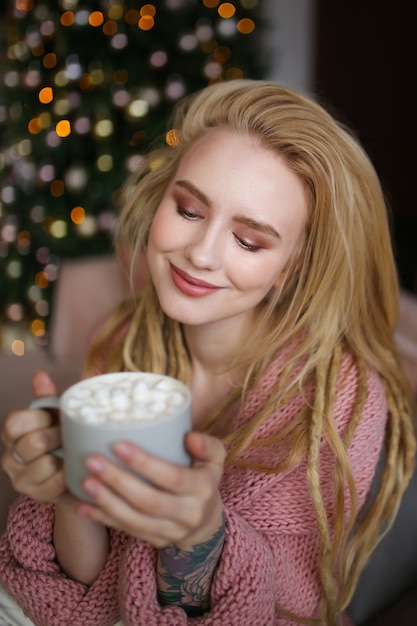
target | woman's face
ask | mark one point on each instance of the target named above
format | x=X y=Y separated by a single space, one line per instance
x=225 y=230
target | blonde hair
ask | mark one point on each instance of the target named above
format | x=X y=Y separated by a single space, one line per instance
x=340 y=294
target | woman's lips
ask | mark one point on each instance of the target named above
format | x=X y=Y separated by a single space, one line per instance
x=189 y=285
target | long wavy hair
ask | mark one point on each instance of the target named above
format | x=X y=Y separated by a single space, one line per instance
x=340 y=294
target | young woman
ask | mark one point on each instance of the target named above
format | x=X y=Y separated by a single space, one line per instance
x=272 y=292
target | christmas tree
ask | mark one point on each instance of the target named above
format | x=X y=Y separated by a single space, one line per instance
x=85 y=88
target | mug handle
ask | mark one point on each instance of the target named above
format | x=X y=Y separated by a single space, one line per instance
x=48 y=402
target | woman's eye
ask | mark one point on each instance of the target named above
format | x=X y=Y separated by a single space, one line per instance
x=250 y=247
x=187 y=214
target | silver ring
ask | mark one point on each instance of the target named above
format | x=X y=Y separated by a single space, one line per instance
x=18 y=458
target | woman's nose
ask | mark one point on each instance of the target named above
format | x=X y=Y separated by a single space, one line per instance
x=205 y=250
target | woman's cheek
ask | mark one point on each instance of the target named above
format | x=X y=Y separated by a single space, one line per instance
x=160 y=229
x=156 y=226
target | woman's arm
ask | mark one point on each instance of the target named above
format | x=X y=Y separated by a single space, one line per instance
x=184 y=577
x=81 y=545
x=178 y=510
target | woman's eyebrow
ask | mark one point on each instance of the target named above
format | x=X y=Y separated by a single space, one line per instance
x=262 y=227
x=194 y=191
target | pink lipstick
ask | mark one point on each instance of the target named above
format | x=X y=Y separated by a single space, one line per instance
x=191 y=286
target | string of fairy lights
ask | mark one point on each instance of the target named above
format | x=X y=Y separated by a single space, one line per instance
x=86 y=85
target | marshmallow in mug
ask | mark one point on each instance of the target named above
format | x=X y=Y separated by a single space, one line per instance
x=128 y=400
x=151 y=410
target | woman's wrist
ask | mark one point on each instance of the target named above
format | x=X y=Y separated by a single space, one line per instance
x=81 y=545
x=185 y=575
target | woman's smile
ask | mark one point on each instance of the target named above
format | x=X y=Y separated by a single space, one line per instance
x=191 y=286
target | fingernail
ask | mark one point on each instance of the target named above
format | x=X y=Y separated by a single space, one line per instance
x=91 y=486
x=123 y=449
x=86 y=510
x=94 y=465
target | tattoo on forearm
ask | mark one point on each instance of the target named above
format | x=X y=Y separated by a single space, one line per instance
x=185 y=576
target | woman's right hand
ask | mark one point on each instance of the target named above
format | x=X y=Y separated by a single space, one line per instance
x=29 y=436
x=81 y=545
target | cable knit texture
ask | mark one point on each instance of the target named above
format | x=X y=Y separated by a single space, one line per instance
x=271 y=549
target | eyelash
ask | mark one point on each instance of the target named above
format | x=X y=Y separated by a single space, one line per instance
x=188 y=215
x=246 y=246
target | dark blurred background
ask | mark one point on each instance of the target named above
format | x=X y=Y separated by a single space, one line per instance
x=366 y=68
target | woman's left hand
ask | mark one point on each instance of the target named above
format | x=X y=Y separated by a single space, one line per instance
x=181 y=506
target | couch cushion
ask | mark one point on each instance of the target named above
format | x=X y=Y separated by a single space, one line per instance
x=392 y=570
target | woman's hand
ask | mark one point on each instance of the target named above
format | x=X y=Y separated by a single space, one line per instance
x=181 y=506
x=29 y=435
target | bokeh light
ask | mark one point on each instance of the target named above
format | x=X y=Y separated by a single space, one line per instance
x=146 y=22
x=226 y=10
x=46 y=95
x=246 y=26
x=50 y=60
x=63 y=128
x=96 y=18
x=78 y=215
x=18 y=347
x=67 y=18
x=87 y=89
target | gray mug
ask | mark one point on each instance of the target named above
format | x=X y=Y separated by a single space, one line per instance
x=150 y=410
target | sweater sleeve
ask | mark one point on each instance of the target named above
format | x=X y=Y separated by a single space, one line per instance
x=31 y=575
x=242 y=592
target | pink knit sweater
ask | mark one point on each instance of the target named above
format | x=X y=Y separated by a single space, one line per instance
x=271 y=548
